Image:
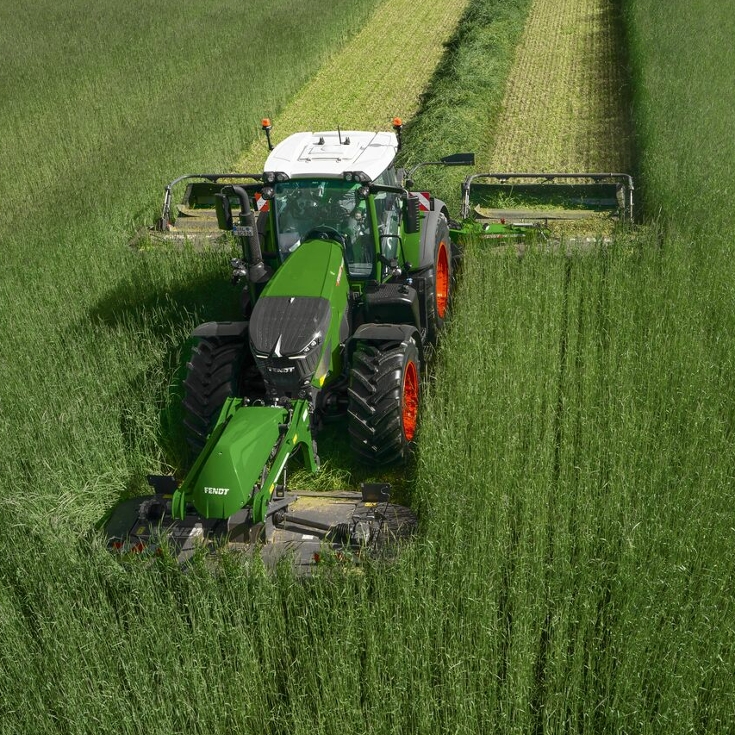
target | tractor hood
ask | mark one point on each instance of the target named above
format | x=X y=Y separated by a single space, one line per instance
x=315 y=268
x=295 y=323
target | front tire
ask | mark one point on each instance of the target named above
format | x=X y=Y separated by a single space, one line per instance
x=214 y=374
x=383 y=401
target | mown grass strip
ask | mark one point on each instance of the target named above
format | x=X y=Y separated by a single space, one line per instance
x=380 y=74
x=566 y=106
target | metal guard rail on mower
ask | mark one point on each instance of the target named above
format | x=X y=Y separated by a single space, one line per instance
x=164 y=221
x=625 y=179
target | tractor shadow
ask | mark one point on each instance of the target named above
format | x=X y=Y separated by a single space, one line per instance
x=153 y=311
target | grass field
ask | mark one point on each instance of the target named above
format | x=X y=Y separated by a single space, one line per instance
x=574 y=571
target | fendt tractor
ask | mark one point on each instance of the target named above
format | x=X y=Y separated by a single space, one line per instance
x=347 y=276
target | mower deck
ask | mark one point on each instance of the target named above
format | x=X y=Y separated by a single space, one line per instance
x=304 y=527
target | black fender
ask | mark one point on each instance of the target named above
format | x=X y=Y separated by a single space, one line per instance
x=237 y=331
x=392 y=303
x=384 y=333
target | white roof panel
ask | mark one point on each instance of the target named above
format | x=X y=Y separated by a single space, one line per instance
x=305 y=155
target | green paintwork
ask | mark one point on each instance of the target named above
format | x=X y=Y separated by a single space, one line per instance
x=411 y=243
x=297 y=435
x=249 y=448
x=222 y=479
x=476 y=230
x=313 y=269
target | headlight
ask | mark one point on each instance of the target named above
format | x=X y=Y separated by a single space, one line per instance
x=314 y=342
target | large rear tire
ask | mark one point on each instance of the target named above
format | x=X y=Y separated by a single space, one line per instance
x=214 y=374
x=383 y=401
x=439 y=290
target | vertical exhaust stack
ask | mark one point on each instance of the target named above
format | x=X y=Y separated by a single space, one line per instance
x=258 y=271
x=398 y=127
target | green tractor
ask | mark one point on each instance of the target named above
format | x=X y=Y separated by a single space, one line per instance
x=347 y=279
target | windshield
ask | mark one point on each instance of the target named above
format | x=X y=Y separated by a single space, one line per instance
x=331 y=207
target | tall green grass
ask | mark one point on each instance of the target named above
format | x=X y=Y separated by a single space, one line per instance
x=585 y=404
x=684 y=67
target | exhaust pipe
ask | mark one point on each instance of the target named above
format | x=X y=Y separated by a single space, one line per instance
x=258 y=271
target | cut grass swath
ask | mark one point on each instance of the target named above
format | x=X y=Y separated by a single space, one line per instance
x=566 y=106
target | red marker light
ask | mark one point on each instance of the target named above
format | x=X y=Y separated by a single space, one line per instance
x=266 y=122
x=397 y=122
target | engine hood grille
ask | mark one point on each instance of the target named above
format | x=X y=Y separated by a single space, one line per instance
x=283 y=326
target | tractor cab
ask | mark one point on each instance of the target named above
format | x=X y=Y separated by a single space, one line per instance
x=338 y=186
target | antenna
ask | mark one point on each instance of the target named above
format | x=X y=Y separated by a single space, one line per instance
x=339 y=135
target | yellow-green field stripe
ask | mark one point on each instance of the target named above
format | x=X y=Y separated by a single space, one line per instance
x=565 y=107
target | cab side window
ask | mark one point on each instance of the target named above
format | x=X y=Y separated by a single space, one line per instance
x=388 y=211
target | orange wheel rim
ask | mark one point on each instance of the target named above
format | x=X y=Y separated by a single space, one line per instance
x=410 y=400
x=442 y=281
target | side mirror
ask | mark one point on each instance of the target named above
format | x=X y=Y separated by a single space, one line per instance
x=459 y=159
x=411 y=220
x=224 y=211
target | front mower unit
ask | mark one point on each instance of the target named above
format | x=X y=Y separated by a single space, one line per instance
x=306 y=528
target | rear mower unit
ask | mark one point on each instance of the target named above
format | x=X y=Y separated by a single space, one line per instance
x=346 y=281
x=543 y=207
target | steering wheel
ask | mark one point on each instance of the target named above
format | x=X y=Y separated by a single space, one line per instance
x=303 y=207
x=325 y=232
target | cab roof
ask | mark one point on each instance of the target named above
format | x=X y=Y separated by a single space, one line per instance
x=322 y=155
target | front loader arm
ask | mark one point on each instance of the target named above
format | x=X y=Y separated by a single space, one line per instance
x=297 y=433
